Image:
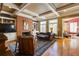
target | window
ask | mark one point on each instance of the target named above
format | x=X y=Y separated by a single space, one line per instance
x=73 y=27
x=43 y=26
x=53 y=24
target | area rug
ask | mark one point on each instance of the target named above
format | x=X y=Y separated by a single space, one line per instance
x=42 y=46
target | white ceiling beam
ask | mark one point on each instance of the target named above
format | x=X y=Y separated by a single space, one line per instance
x=53 y=10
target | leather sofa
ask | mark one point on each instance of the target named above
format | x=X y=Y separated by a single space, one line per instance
x=43 y=36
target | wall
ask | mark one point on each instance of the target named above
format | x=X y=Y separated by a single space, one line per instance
x=11 y=36
x=20 y=24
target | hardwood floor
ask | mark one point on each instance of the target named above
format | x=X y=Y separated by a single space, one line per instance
x=64 y=47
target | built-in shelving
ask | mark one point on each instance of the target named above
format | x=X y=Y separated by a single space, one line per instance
x=7 y=21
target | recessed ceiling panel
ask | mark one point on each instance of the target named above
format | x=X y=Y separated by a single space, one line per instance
x=38 y=8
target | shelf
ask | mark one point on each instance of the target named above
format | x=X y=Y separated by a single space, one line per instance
x=7 y=21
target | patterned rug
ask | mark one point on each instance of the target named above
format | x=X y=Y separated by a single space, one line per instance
x=42 y=46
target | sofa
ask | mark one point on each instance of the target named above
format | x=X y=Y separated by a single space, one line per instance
x=66 y=34
x=44 y=36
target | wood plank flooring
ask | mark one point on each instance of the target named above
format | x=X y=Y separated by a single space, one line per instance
x=64 y=47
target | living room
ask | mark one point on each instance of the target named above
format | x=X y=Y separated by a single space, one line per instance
x=36 y=29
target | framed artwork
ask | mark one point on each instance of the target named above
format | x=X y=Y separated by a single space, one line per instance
x=26 y=26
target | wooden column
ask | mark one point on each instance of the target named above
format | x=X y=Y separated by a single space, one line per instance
x=60 y=28
x=47 y=26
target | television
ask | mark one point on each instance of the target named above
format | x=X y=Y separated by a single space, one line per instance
x=5 y=28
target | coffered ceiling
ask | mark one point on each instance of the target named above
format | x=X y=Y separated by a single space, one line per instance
x=39 y=11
